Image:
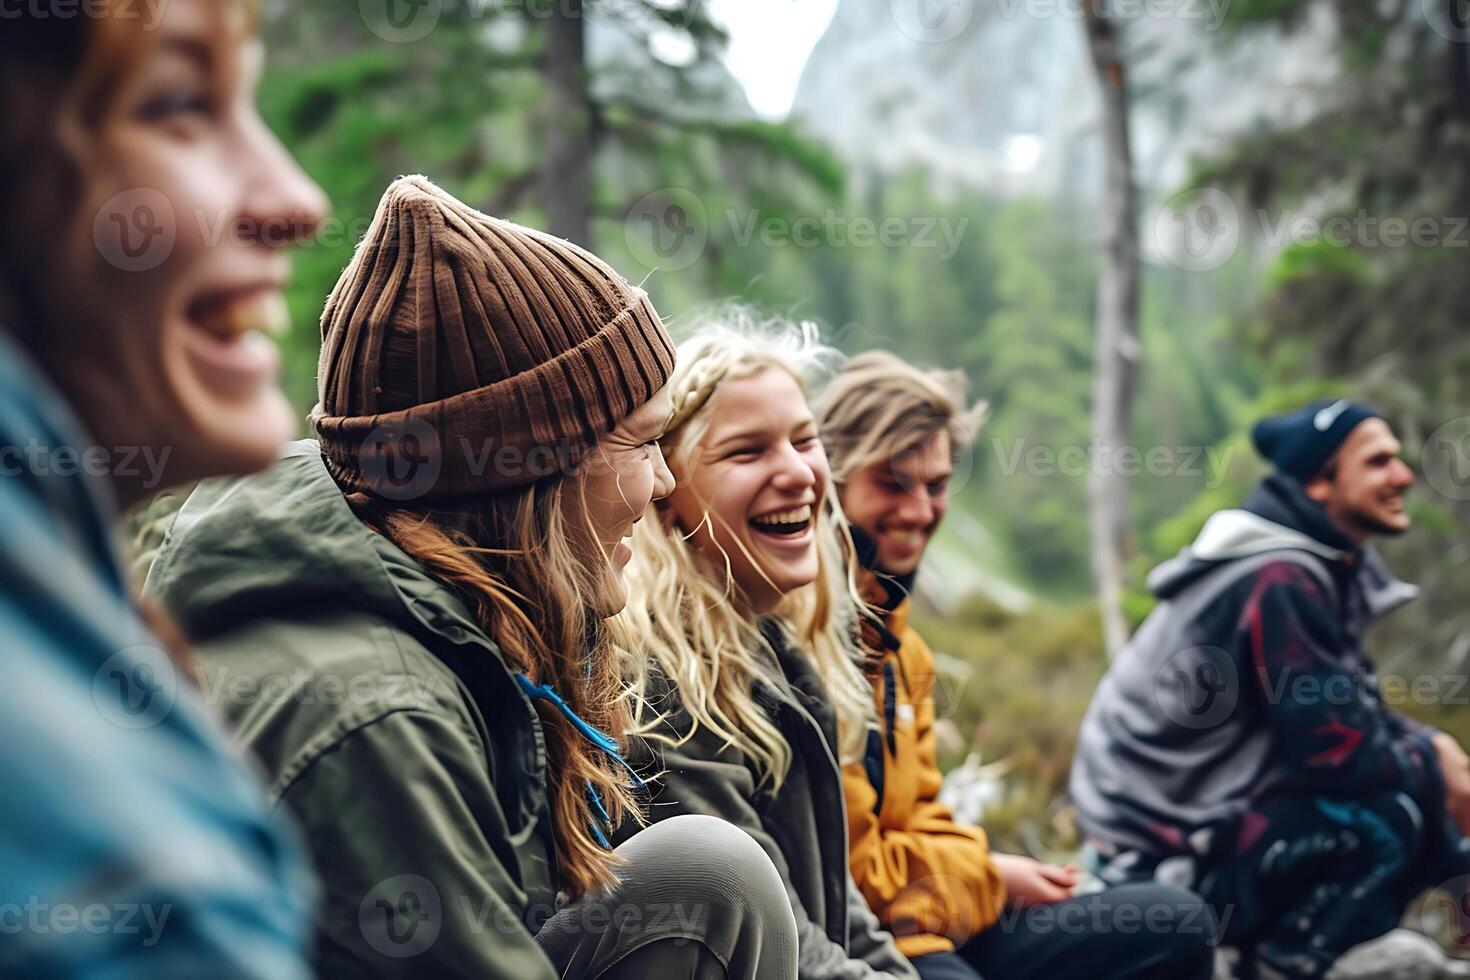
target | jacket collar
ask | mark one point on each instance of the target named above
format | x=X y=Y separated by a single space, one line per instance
x=895 y=588
x=1278 y=515
x=1283 y=500
x=887 y=594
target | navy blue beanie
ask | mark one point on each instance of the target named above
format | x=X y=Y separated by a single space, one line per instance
x=1300 y=443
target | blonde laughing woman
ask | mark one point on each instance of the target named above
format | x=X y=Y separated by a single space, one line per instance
x=740 y=602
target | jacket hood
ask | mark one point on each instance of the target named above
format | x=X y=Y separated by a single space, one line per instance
x=247 y=548
x=1278 y=515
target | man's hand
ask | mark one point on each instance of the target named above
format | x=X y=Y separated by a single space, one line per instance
x=1455 y=765
x=1029 y=882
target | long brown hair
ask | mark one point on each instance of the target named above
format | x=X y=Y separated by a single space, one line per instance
x=525 y=571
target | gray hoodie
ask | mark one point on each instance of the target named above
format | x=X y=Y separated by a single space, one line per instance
x=1249 y=679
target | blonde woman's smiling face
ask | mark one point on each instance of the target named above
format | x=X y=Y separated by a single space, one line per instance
x=751 y=485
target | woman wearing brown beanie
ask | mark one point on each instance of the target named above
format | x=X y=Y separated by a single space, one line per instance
x=134 y=841
x=407 y=621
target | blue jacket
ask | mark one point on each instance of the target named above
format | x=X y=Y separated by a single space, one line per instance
x=133 y=840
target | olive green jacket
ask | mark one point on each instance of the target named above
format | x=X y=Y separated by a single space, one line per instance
x=328 y=652
x=802 y=825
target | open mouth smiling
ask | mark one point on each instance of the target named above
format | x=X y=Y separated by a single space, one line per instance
x=784 y=523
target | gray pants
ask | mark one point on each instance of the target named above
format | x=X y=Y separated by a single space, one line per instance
x=697 y=899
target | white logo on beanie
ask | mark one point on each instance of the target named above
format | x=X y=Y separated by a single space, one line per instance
x=1324 y=419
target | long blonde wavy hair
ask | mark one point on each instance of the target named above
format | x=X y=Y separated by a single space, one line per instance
x=685 y=609
x=524 y=568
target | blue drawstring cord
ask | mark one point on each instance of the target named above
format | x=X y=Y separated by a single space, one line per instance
x=545 y=692
x=595 y=799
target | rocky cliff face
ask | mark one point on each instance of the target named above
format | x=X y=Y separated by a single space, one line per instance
x=998 y=95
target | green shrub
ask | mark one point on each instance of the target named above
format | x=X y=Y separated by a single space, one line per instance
x=1032 y=675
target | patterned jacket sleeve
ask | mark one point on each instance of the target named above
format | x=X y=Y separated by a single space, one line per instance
x=1331 y=722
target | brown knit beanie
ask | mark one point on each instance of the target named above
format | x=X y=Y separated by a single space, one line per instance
x=463 y=354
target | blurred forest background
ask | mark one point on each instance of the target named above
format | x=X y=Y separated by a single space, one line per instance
x=936 y=189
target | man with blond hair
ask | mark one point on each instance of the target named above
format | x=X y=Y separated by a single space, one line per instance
x=957 y=909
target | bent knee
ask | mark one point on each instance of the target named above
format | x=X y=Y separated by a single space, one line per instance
x=705 y=861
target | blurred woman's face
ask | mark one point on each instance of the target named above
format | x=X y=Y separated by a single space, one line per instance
x=162 y=286
x=624 y=473
x=759 y=472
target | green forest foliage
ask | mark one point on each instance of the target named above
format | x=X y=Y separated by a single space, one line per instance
x=1007 y=296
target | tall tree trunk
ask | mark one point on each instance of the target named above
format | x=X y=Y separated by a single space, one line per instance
x=566 y=183
x=1117 y=349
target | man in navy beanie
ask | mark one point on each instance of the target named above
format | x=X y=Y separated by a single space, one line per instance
x=1239 y=744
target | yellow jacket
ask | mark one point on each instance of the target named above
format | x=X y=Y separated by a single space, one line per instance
x=929 y=880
